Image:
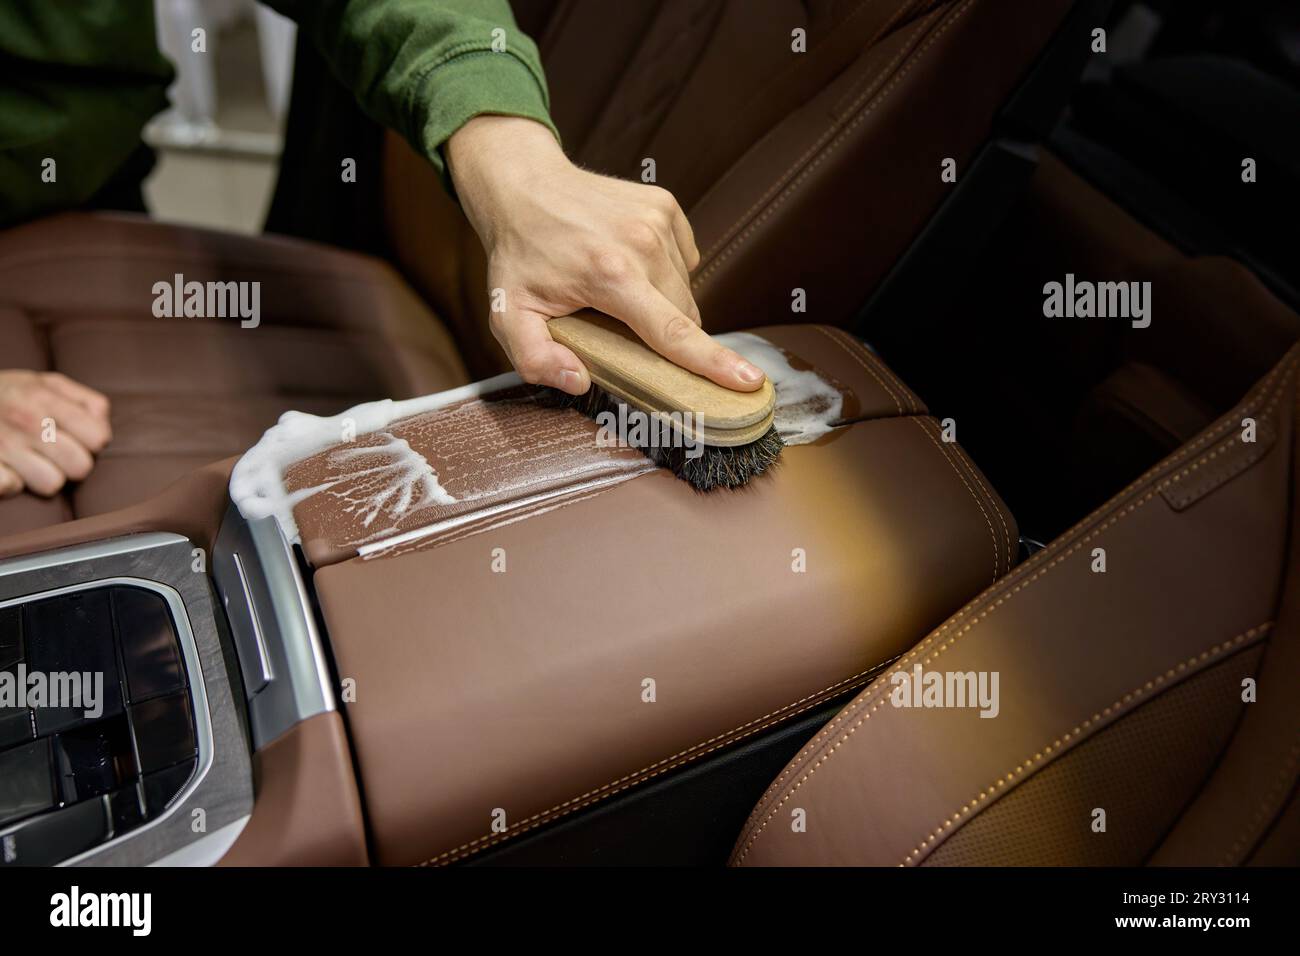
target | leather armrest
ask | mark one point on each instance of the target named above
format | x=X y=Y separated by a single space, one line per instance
x=523 y=671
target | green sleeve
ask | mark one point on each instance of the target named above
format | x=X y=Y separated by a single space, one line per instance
x=425 y=67
x=78 y=81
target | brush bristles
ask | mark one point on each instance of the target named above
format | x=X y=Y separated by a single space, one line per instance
x=718 y=466
x=715 y=466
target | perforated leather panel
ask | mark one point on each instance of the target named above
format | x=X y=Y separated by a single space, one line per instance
x=1141 y=771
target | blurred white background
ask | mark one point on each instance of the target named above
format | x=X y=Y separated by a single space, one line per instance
x=219 y=144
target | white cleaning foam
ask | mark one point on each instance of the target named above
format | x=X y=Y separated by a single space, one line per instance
x=807 y=407
x=257 y=483
x=402 y=481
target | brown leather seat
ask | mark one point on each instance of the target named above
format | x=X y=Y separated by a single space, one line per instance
x=813 y=170
x=76 y=297
x=1147 y=713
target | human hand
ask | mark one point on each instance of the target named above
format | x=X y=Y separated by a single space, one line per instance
x=50 y=427
x=560 y=239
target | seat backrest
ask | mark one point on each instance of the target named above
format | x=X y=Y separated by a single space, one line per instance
x=812 y=169
x=1144 y=710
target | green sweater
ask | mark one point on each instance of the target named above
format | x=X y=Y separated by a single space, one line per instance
x=80 y=78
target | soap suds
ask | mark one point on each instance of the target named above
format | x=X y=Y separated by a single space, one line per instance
x=392 y=480
x=257 y=482
x=399 y=479
x=807 y=406
x=529 y=504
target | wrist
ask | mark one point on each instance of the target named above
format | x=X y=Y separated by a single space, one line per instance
x=492 y=158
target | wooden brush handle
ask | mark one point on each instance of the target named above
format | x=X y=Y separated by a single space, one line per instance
x=626 y=367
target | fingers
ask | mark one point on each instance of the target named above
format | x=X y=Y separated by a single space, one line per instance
x=672 y=334
x=685 y=237
x=10 y=482
x=677 y=290
x=90 y=430
x=37 y=473
x=538 y=359
x=50 y=427
x=67 y=454
x=677 y=244
x=651 y=250
x=92 y=401
x=680 y=227
x=626 y=249
x=678 y=274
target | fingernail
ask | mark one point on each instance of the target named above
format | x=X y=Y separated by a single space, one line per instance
x=570 y=381
x=749 y=372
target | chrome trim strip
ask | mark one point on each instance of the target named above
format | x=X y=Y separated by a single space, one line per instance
x=314 y=647
x=207 y=850
x=130 y=544
x=281 y=655
x=263 y=659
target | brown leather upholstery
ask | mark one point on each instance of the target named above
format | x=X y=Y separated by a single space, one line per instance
x=521 y=689
x=76 y=297
x=308 y=812
x=1120 y=691
x=1217 y=329
x=811 y=169
x=193 y=506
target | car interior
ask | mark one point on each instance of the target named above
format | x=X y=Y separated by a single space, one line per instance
x=587 y=662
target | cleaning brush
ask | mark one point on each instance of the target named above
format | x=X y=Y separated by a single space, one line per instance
x=716 y=437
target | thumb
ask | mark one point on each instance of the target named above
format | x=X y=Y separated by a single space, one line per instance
x=536 y=357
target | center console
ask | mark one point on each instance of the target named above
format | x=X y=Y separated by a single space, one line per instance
x=558 y=624
x=121 y=733
x=520 y=621
x=144 y=678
